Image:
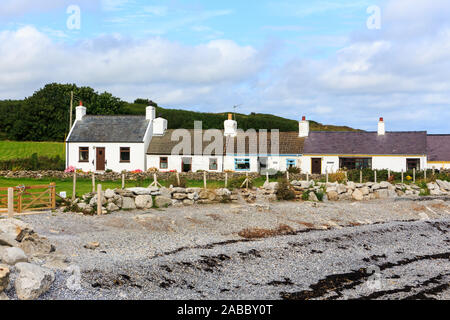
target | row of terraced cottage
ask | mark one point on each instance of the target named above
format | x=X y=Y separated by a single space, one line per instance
x=118 y=143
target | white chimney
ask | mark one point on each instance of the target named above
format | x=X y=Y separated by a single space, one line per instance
x=80 y=112
x=159 y=126
x=150 y=113
x=230 y=127
x=303 y=128
x=381 y=127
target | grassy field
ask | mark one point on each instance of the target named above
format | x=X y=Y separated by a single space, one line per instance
x=85 y=185
x=19 y=150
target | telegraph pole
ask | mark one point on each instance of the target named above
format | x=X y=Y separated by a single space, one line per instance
x=71 y=105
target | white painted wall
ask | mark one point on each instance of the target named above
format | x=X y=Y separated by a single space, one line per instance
x=174 y=163
x=438 y=165
x=330 y=164
x=112 y=156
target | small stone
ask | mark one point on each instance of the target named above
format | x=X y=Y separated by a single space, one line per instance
x=179 y=196
x=111 y=207
x=312 y=197
x=92 y=245
x=357 y=195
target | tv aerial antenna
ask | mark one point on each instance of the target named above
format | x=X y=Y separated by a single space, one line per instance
x=234 y=109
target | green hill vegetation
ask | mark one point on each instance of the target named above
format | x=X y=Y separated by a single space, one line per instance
x=44 y=116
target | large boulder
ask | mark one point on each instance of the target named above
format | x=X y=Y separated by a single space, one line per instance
x=144 y=202
x=178 y=190
x=270 y=186
x=385 y=185
x=443 y=185
x=365 y=190
x=381 y=194
x=4 y=277
x=340 y=189
x=12 y=255
x=32 y=281
x=227 y=193
x=109 y=194
x=34 y=245
x=312 y=197
x=163 y=202
x=179 y=196
x=332 y=195
x=128 y=203
x=14 y=229
x=93 y=201
x=357 y=195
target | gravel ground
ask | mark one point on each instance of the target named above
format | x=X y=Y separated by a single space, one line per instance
x=197 y=253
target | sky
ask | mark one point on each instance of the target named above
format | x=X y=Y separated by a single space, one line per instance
x=336 y=62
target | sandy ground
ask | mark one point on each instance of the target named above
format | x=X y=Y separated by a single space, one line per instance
x=384 y=249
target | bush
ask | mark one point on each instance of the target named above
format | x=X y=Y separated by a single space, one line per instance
x=284 y=191
x=34 y=163
x=236 y=183
x=174 y=181
x=293 y=170
x=338 y=176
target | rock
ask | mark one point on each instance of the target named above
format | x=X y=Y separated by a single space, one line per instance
x=144 y=202
x=188 y=202
x=3 y=297
x=392 y=194
x=381 y=194
x=443 y=185
x=92 y=245
x=7 y=240
x=432 y=186
x=32 y=281
x=357 y=195
x=163 y=202
x=193 y=190
x=82 y=206
x=165 y=192
x=4 y=277
x=193 y=196
x=270 y=186
x=227 y=193
x=93 y=201
x=385 y=185
x=341 y=189
x=204 y=194
x=178 y=190
x=109 y=194
x=15 y=228
x=128 y=203
x=312 y=197
x=351 y=185
x=140 y=191
x=332 y=195
x=111 y=207
x=365 y=191
x=34 y=244
x=179 y=196
x=124 y=193
x=12 y=255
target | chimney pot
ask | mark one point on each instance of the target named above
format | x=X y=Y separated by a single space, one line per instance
x=303 y=118
x=230 y=116
x=303 y=128
x=381 y=127
x=381 y=119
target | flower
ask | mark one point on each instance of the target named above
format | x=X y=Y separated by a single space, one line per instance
x=408 y=178
x=70 y=169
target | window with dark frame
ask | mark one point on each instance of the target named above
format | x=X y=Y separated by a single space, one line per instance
x=212 y=163
x=84 y=154
x=163 y=163
x=412 y=164
x=125 y=155
x=355 y=163
x=242 y=164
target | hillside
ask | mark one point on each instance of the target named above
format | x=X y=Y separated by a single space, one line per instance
x=44 y=116
x=185 y=119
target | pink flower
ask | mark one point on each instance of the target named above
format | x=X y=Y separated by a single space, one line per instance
x=70 y=169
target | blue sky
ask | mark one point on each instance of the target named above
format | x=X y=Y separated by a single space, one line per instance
x=290 y=58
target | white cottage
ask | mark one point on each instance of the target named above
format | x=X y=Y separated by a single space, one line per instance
x=117 y=143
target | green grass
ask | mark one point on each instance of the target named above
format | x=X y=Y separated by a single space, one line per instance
x=85 y=185
x=20 y=150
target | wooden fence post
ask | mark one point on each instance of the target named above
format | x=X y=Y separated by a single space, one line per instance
x=425 y=174
x=246 y=185
x=267 y=176
x=403 y=176
x=99 y=199
x=287 y=175
x=178 y=178
x=414 y=175
x=53 y=194
x=226 y=179
x=204 y=179
x=326 y=172
x=123 y=181
x=375 y=175
x=74 y=190
x=389 y=173
x=93 y=182
x=10 y=202
x=360 y=176
x=346 y=176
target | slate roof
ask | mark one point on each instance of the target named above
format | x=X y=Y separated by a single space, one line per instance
x=119 y=129
x=438 y=146
x=289 y=143
x=353 y=143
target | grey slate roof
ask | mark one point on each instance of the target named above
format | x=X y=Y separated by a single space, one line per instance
x=392 y=143
x=109 y=129
x=438 y=147
x=289 y=143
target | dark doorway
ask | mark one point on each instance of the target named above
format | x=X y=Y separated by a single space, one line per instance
x=100 y=159
x=262 y=162
x=186 y=164
x=413 y=164
x=316 y=166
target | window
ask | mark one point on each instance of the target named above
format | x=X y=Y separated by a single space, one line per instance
x=413 y=164
x=84 y=154
x=291 y=163
x=242 y=164
x=355 y=163
x=124 y=154
x=163 y=163
x=212 y=163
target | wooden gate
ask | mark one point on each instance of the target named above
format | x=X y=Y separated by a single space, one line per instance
x=32 y=198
